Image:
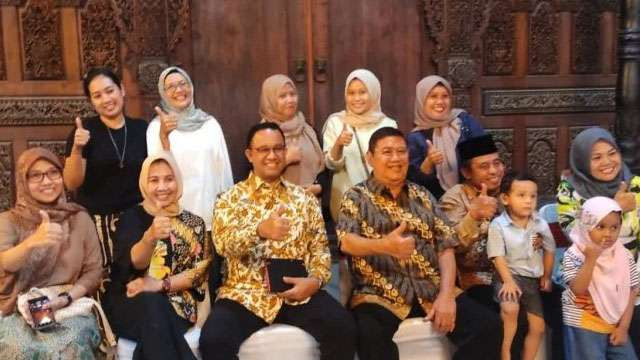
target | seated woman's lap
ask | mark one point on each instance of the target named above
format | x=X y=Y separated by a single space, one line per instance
x=77 y=338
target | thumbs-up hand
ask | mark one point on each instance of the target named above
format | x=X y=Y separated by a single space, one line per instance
x=398 y=245
x=624 y=198
x=276 y=226
x=483 y=206
x=345 y=136
x=81 y=136
x=160 y=229
x=168 y=122
x=433 y=157
x=47 y=233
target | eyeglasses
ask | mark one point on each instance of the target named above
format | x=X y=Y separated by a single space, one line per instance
x=173 y=87
x=265 y=150
x=38 y=177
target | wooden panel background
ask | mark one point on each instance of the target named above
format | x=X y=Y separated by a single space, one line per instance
x=535 y=72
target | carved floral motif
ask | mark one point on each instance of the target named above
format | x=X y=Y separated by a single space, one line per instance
x=543 y=39
x=586 y=39
x=541 y=155
x=499 y=40
x=148 y=74
x=6 y=170
x=504 y=142
x=42 y=41
x=538 y=101
x=100 y=46
x=57 y=147
x=16 y=111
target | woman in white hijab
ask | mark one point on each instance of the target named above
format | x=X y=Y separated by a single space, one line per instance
x=346 y=133
x=196 y=141
x=433 y=162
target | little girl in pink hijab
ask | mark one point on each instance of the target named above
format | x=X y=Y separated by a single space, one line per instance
x=603 y=284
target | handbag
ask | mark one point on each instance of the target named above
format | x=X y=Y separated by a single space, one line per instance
x=82 y=306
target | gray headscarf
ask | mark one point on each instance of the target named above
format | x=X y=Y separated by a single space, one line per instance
x=189 y=119
x=580 y=163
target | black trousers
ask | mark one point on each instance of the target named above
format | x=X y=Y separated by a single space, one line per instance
x=150 y=320
x=324 y=318
x=477 y=333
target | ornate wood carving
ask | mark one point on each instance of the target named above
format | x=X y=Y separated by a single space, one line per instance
x=100 y=40
x=434 y=23
x=574 y=131
x=6 y=171
x=178 y=13
x=464 y=19
x=586 y=39
x=543 y=39
x=57 y=147
x=150 y=27
x=539 y=101
x=3 y=71
x=16 y=111
x=541 y=147
x=499 y=40
x=42 y=41
x=504 y=142
x=124 y=15
x=462 y=71
x=148 y=74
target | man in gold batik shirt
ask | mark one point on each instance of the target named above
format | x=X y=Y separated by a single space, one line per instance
x=402 y=257
x=266 y=217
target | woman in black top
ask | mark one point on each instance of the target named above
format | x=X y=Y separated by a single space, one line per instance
x=104 y=156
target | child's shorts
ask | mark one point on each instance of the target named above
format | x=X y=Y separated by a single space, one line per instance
x=530 y=299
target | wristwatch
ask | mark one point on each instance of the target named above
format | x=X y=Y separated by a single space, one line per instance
x=67 y=296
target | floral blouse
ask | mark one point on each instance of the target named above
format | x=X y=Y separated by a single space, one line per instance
x=186 y=249
x=570 y=203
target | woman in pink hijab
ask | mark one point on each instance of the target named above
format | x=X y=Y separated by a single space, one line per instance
x=603 y=283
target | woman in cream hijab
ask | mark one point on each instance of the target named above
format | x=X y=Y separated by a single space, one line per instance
x=304 y=157
x=439 y=128
x=346 y=133
x=162 y=252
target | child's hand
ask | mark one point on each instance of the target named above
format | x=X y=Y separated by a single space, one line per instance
x=619 y=336
x=592 y=250
x=545 y=284
x=509 y=292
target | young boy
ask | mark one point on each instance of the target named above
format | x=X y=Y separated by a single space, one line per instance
x=523 y=267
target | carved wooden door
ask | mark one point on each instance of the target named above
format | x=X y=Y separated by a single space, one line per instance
x=46 y=46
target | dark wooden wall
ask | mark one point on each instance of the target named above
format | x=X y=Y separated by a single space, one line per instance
x=535 y=72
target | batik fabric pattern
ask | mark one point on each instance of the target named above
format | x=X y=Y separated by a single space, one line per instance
x=369 y=210
x=238 y=213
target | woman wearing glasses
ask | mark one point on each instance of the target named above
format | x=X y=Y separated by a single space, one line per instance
x=104 y=156
x=46 y=241
x=196 y=141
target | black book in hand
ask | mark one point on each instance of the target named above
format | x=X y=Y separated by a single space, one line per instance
x=277 y=268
